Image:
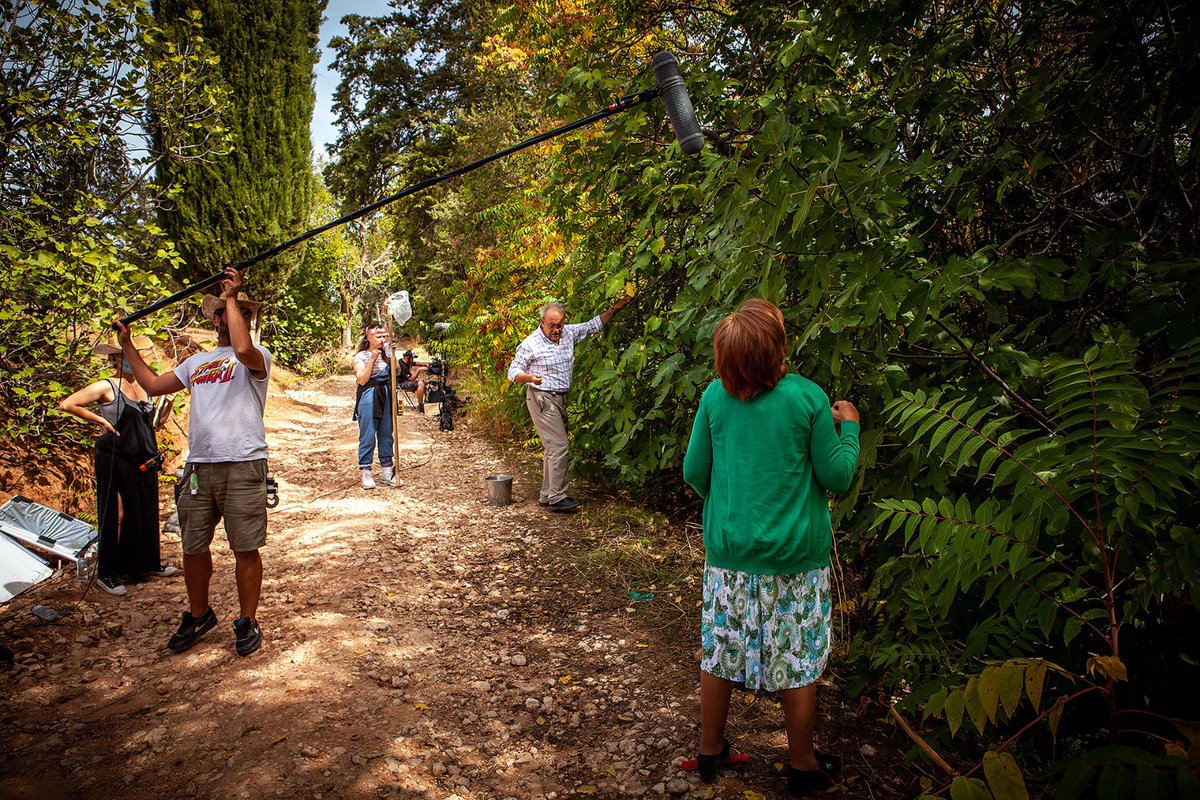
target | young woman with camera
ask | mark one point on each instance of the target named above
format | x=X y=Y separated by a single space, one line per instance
x=373 y=406
x=127 y=462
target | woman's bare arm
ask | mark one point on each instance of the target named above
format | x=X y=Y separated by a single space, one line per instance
x=77 y=403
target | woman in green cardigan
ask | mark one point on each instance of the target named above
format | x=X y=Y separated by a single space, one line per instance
x=765 y=452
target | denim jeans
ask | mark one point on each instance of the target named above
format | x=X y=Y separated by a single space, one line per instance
x=371 y=430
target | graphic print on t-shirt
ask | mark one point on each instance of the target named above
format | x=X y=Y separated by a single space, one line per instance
x=219 y=371
x=226 y=418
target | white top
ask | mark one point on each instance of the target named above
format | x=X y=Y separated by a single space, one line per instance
x=554 y=362
x=380 y=370
x=226 y=422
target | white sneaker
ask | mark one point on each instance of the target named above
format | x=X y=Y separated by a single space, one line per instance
x=367 y=481
x=164 y=571
x=387 y=476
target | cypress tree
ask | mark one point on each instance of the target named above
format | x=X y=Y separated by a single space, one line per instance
x=229 y=208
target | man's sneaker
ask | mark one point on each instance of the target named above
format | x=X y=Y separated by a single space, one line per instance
x=565 y=505
x=247 y=634
x=367 y=481
x=164 y=571
x=112 y=585
x=387 y=476
x=191 y=629
x=571 y=500
x=420 y=408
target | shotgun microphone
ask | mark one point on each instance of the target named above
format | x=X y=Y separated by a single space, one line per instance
x=679 y=105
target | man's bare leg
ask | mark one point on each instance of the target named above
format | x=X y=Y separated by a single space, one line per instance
x=197 y=573
x=249 y=573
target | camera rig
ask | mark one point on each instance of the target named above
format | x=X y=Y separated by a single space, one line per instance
x=437 y=387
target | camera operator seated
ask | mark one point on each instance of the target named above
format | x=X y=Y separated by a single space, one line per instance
x=408 y=372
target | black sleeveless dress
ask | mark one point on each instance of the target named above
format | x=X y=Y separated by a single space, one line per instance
x=130 y=547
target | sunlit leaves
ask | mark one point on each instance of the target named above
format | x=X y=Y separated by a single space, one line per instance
x=83 y=83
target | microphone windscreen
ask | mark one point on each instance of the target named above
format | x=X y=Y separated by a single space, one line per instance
x=679 y=105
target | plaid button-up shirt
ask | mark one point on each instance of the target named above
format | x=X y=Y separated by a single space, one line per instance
x=554 y=362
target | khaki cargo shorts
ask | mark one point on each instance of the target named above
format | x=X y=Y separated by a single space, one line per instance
x=233 y=490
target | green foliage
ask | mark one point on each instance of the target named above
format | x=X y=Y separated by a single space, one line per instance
x=1120 y=773
x=1003 y=781
x=425 y=90
x=75 y=251
x=407 y=78
x=1100 y=498
x=1128 y=773
x=498 y=299
x=1079 y=534
x=260 y=194
x=307 y=319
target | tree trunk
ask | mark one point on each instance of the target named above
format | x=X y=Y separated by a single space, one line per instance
x=348 y=323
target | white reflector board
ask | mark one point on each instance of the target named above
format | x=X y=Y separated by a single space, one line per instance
x=19 y=569
x=45 y=529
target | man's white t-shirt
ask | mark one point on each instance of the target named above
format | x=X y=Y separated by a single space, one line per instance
x=226 y=422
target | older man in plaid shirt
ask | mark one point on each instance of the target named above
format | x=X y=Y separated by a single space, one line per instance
x=544 y=363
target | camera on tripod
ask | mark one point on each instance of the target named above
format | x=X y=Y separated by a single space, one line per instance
x=438 y=389
x=437 y=385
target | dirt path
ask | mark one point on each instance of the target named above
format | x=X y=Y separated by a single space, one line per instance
x=419 y=644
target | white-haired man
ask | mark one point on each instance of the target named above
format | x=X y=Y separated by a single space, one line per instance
x=544 y=362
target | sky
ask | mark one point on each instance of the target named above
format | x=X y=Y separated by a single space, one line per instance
x=324 y=131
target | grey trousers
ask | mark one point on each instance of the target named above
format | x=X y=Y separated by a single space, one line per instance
x=549 y=415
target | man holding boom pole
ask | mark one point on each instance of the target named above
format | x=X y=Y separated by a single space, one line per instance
x=544 y=362
x=226 y=473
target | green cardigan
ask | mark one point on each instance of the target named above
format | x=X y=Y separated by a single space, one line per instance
x=764 y=468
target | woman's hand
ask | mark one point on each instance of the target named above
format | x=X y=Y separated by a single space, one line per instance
x=844 y=410
x=108 y=427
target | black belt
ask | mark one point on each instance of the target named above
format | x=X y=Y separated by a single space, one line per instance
x=549 y=391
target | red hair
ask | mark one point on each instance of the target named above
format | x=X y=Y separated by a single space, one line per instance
x=749 y=346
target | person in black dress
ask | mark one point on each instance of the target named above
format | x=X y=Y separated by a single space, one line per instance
x=126 y=474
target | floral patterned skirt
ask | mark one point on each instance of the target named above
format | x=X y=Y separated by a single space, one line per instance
x=767 y=632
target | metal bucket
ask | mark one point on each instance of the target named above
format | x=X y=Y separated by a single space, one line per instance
x=499 y=489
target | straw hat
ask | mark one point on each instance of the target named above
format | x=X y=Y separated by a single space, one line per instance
x=210 y=304
x=111 y=348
